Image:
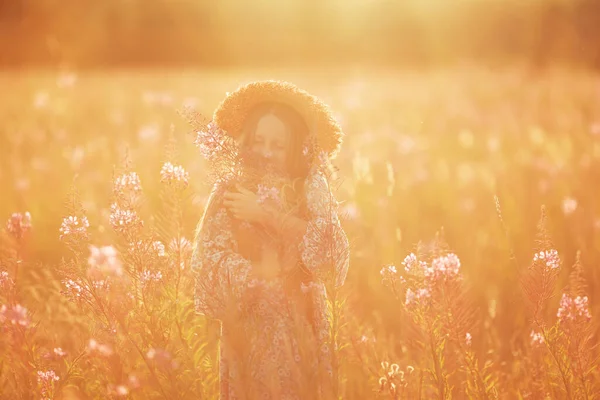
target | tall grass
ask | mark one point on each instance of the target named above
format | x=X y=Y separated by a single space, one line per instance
x=459 y=286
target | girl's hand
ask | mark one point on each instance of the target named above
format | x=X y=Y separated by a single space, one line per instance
x=244 y=205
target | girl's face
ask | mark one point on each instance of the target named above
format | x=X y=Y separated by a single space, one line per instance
x=271 y=139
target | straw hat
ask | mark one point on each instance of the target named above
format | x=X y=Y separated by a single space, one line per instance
x=235 y=108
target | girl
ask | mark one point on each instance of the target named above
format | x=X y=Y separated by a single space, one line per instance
x=269 y=247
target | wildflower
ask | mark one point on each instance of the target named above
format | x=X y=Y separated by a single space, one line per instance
x=73 y=290
x=571 y=309
x=19 y=224
x=148 y=277
x=59 y=352
x=549 y=257
x=73 y=226
x=121 y=220
x=536 y=338
x=128 y=183
x=389 y=275
x=468 y=339
x=389 y=270
x=16 y=315
x=46 y=381
x=410 y=262
x=103 y=284
x=5 y=280
x=105 y=259
x=159 y=248
x=174 y=175
x=211 y=141
x=416 y=297
x=102 y=349
x=445 y=267
x=569 y=205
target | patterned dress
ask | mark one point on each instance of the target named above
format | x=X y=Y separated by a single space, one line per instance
x=275 y=341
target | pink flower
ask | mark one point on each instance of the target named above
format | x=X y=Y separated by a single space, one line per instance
x=549 y=257
x=445 y=267
x=174 y=175
x=16 y=315
x=148 y=277
x=59 y=352
x=389 y=270
x=73 y=290
x=468 y=339
x=409 y=262
x=159 y=248
x=537 y=339
x=105 y=259
x=571 y=309
x=211 y=141
x=128 y=183
x=121 y=219
x=414 y=298
x=19 y=224
x=73 y=226
x=5 y=280
x=46 y=381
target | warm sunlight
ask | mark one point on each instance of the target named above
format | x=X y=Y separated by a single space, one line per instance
x=300 y=199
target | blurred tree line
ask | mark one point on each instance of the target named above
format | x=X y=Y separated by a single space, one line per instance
x=99 y=33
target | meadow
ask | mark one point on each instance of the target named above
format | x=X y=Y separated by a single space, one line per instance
x=489 y=178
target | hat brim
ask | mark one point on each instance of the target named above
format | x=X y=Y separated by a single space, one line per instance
x=231 y=114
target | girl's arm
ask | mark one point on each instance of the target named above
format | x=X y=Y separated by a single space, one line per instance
x=322 y=243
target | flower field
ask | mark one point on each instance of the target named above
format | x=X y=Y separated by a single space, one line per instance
x=470 y=196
